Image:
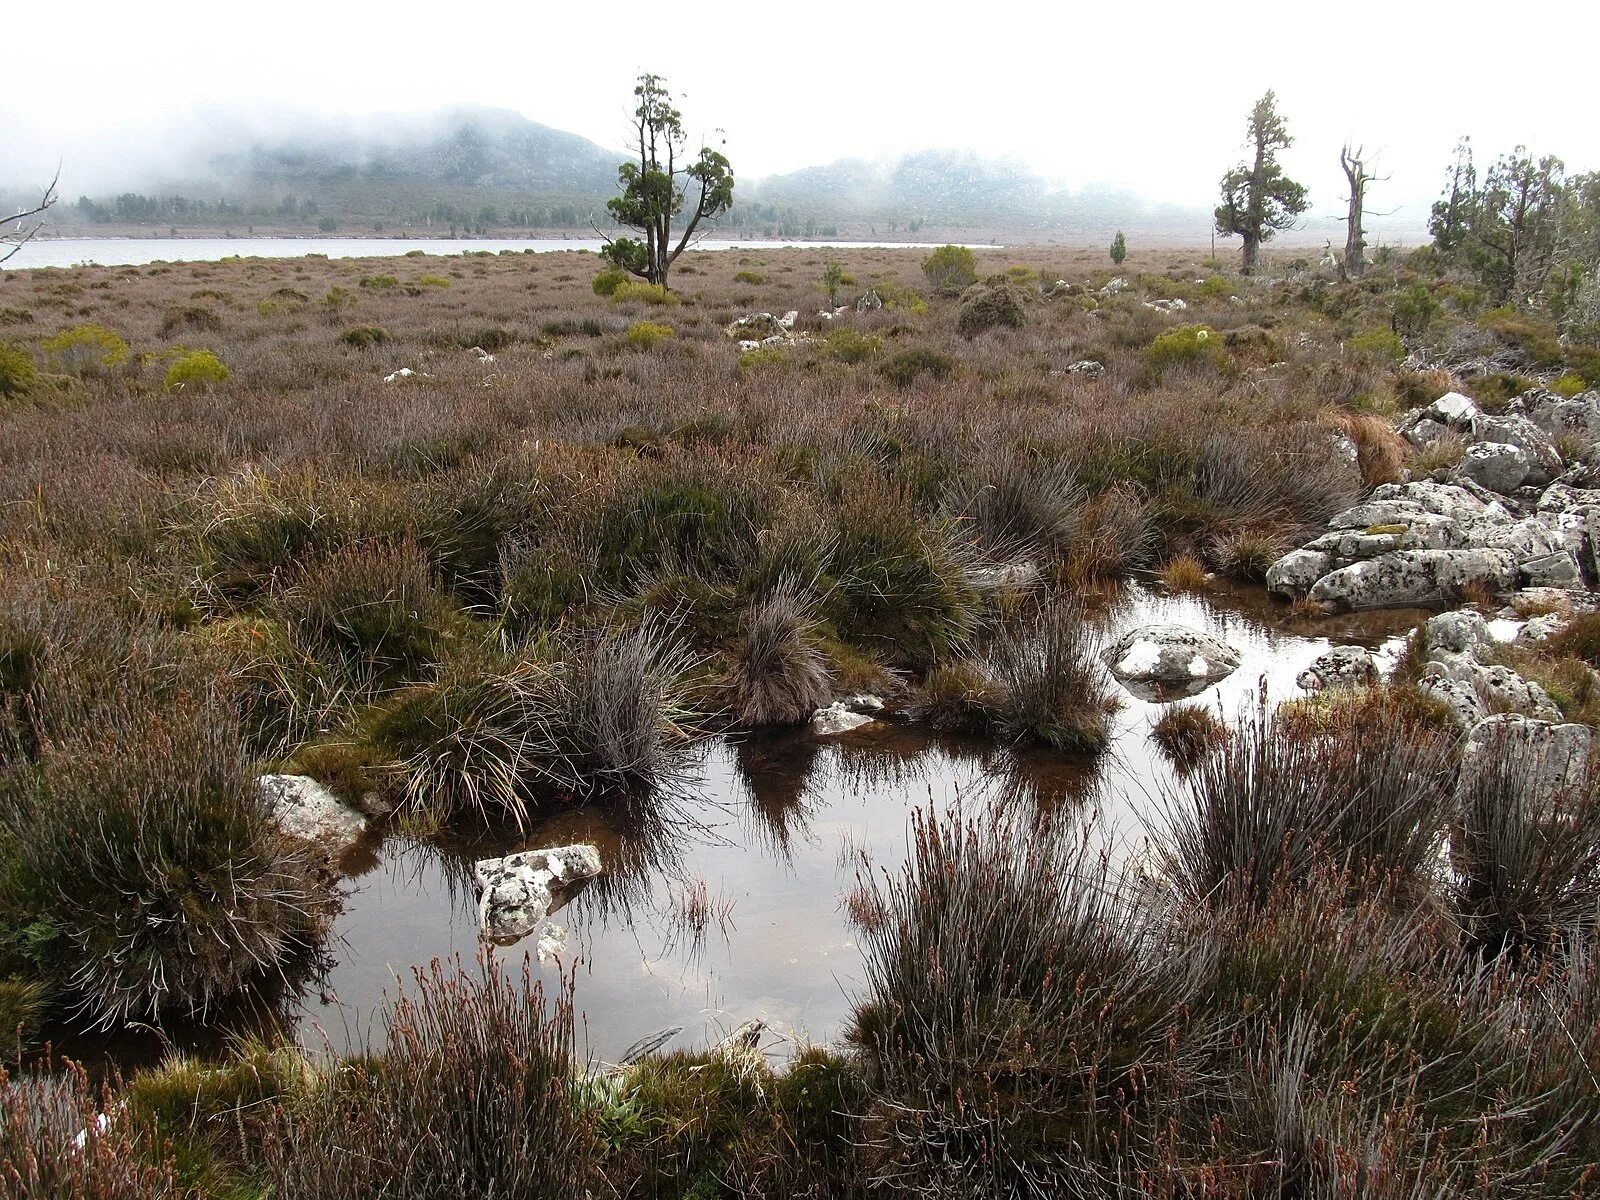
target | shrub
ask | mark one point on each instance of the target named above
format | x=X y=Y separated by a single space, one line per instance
x=1185 y=573
x=1415 y=310
x=951 y=269
x=195 y=369
x=646 y=335
x=990 y=306
x=607 y=281
x=379 y=283
x=833 y=278
x=1381 y=344
x=1119 y=248
x=435 y=281
x=1569 y=385
x=371 y=611
x=634 y=291
x=17 y=372
x=1185 y=346
x=752 y=277
x=190 y=316
x=903 y=368
x=851 y=345
x=779 y=674
x=364 y=337
x=475 y=1093
x=85 y=350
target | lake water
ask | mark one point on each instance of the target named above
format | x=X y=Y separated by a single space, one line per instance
x=133 y=252
x=773 y=827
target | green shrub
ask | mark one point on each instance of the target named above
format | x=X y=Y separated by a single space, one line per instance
x=85 y=350
x=902 y=369
x=607 y=281
x=17 y=372
x=950 y=270
x=635 y=291
x=1525 y=331
x=1382 y=344
x=1119 y=248
x=435 y=281
x=1414 y=310
x=1569 y=385
x=765 y=360
x=646 y=335
x=1186 y=346
x=364 y=337
x=755 y=277
x=195 y=369
x=851 y=345
x=988 y=307
x=897 y=298
x=15 y=316
x=380 y=283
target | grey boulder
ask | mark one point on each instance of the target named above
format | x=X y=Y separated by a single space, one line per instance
x=1166 y=661
x=1407 y=578
x=1340 y=667
x=309 y=812
x=1498 y=466
x=517 y=892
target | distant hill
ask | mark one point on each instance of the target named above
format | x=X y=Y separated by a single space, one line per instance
x=487 y=149
x=477 y=170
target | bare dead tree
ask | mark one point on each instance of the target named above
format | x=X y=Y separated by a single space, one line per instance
x=1357 y=177
x=17 y=230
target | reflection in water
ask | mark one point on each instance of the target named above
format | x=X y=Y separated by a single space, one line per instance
x=729 y=901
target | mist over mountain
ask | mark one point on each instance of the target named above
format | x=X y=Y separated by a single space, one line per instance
x=484 y=170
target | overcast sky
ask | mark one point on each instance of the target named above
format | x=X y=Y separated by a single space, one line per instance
x=1151 y=97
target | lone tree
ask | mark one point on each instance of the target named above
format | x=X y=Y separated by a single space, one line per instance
x=1258 y=199
x=17 y=230
x=1119 y=248
x=665 y=185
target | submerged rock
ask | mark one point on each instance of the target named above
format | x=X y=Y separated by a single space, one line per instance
x=517 y=892
x=841 y=717
x=1170 y=661
x=309 y=812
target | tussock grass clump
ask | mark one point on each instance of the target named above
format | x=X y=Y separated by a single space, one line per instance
x=1055 y=691
x=1186 y=733
x=365 y=337
x=475 y=1092
x=1185 y=573
x=17 y=372
x=373 y=612
x=1277 y=803
x=1526 y=849
x=143 y=874
x=779 y=674
x=1015 y=507
x=905 y=367
x=1019 y=1031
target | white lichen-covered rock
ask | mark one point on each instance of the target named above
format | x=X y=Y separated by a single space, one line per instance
x=1498 y=466
x=1540 y=629
x=1557 y=570
x=1544 y=462
x=757 y=327
x=1020 y=574
x=1461 y=632
x=1408 y=578
x=871 y=302
x=1555 y=754
x=789 y=318
x=1174 y=655
x=517 y=892
x=1562 y=417
x=1114 y=286
x=309 y=812
x=1173 y=305
x=1452 y=408
x=838 y=718
x=1294 y=573
x=1340 y=667
x=1462 y=699
x=1087 y=368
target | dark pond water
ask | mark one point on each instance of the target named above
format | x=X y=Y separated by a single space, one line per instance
x=769 y=838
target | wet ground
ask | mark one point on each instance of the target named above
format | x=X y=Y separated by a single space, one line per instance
x=731 y=904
